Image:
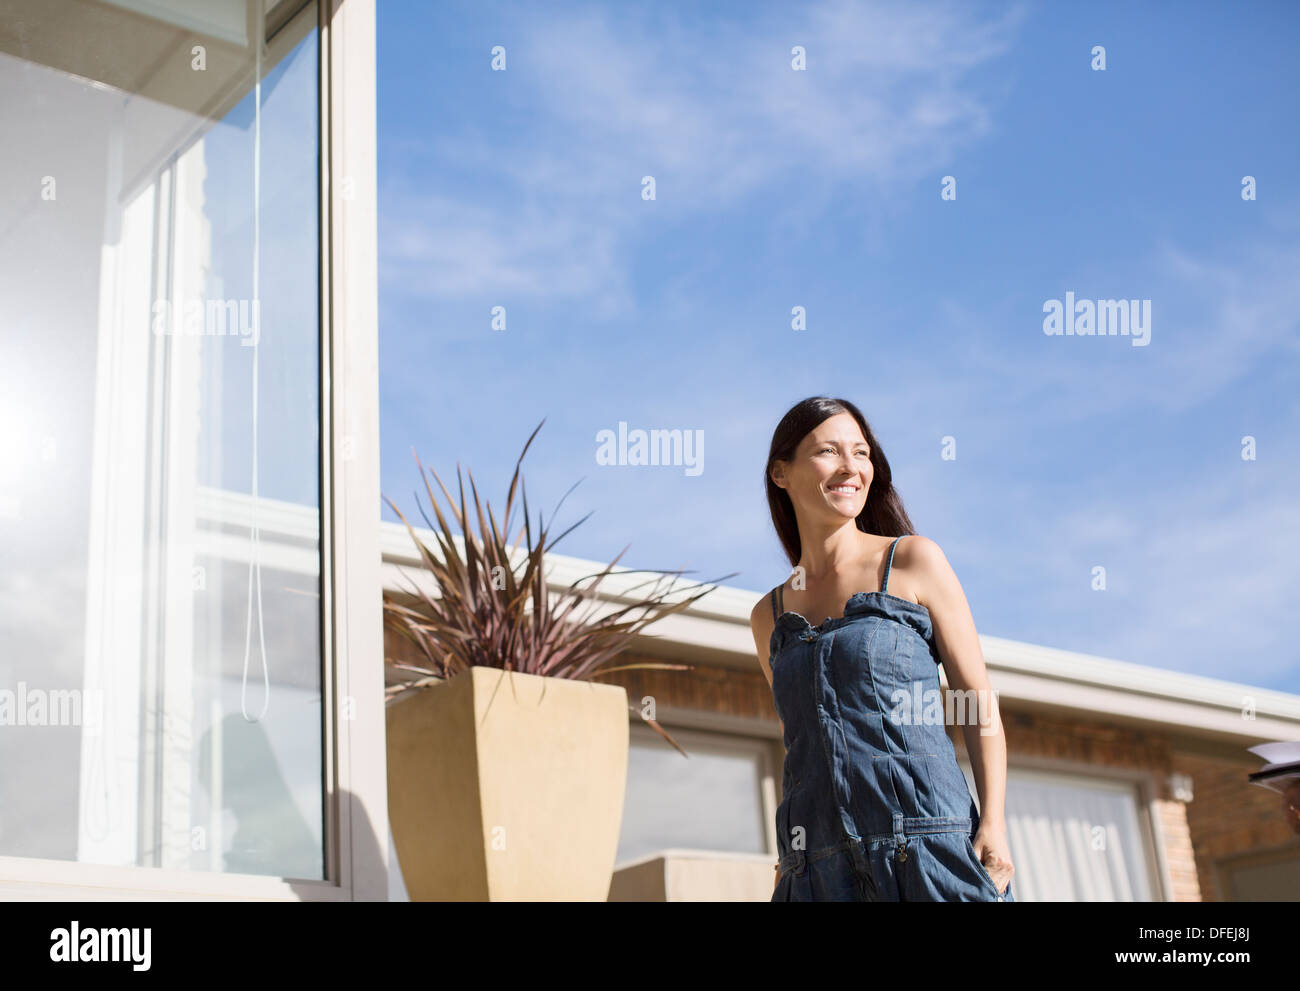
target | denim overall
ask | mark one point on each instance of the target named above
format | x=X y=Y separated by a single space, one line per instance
x=874 y=806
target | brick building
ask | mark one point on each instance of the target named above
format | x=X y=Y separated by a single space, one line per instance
x=1125 y=782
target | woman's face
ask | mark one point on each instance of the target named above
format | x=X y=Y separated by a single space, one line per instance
x=830 y=473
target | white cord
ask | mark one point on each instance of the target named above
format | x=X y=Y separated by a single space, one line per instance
x=255 y=536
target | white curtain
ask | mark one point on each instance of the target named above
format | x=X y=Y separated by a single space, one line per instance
x=1075 y=838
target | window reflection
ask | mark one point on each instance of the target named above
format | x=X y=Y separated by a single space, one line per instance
x=713 y=801
x=141 y=182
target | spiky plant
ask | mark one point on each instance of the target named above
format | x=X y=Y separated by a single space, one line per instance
x=495 y=609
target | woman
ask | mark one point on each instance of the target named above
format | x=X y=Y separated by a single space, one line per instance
x=874 y=806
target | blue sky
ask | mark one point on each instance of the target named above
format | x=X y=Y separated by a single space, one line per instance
x=775 y=188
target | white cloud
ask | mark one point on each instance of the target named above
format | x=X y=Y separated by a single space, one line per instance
x=1207 y=580
x=715 y=114
x=1231 y=318
x=435 y=245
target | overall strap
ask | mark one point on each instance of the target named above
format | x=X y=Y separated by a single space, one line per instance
x=778 y=602
x=889 y=564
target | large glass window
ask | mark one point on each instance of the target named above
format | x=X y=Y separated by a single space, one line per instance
x=1265 y=876
x=711 y=801
x=1076 y=837
x=160 y=660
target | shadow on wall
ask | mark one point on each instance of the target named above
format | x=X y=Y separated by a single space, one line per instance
x=396 y=884
x=365 y=851
x=271 y=835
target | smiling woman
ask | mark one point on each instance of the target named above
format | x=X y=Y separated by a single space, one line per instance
x=872 y=809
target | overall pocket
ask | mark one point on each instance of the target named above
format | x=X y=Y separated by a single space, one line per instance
x=784 y=829
x=970 y=847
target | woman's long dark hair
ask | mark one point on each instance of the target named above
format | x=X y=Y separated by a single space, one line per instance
x=883 y=513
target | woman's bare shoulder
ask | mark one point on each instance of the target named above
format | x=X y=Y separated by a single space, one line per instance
x=761 y=623
x=760 y=617
x=928 y=574
x=919 y=549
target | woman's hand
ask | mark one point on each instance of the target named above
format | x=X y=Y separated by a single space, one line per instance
x=994 y=853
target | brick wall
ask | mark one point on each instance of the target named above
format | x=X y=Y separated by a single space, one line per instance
x=1230 y=816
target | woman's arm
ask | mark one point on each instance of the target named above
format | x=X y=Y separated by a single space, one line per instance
x=977 y=711
x=760 y=626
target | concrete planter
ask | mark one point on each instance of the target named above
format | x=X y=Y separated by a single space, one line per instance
x=508 y=787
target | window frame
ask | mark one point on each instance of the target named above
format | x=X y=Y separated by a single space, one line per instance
x=354 y=785
x=750 y=736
